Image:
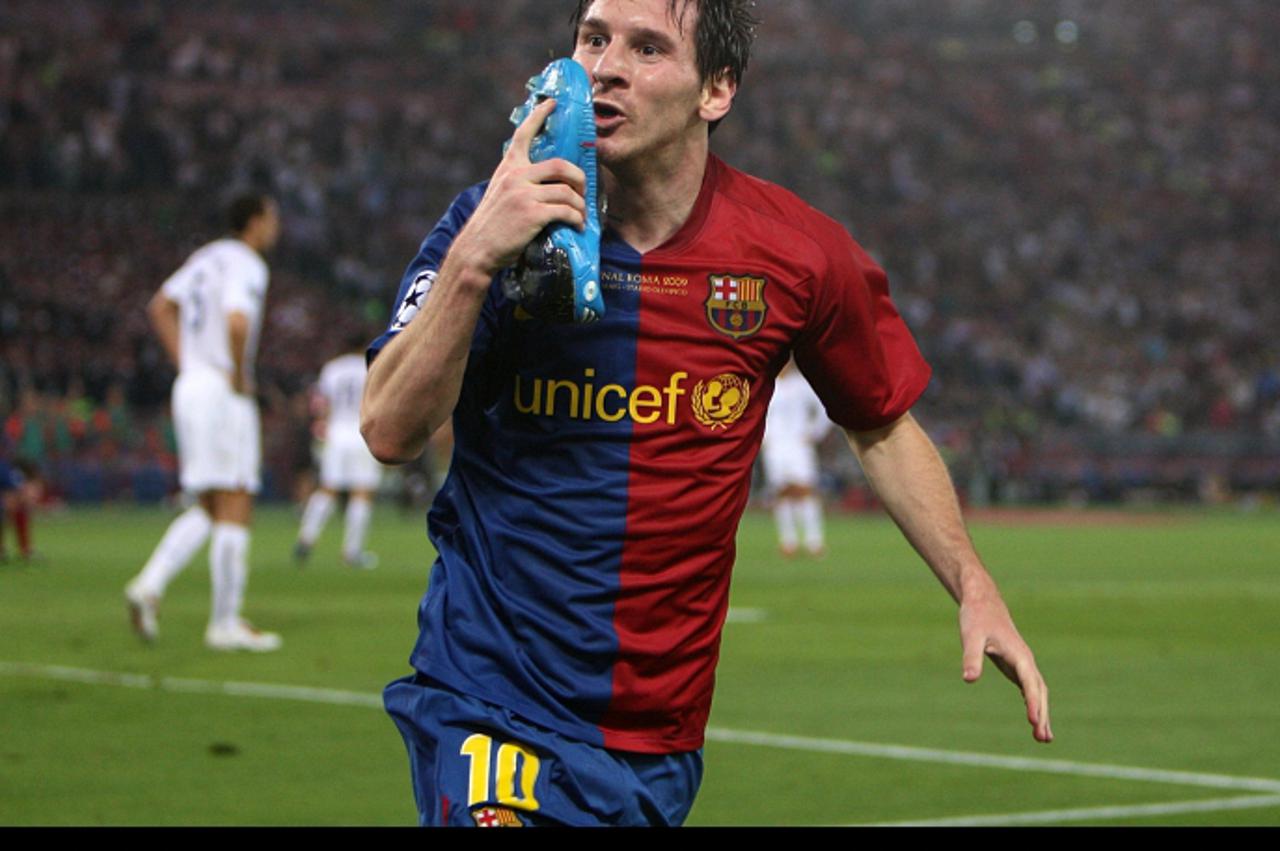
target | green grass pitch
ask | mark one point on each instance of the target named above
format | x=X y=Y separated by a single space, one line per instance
x=1159 y=636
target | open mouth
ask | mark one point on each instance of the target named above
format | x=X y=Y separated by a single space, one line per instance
x=607 y=111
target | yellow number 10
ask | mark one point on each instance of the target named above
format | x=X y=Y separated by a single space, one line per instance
x=513 y=759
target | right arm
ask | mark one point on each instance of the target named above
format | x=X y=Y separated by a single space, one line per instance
x=163 y=313
x=414 y=383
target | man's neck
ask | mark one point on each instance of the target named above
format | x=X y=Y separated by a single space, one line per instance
x=250 y=240
x=648 y=205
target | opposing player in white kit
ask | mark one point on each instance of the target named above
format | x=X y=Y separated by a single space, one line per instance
x=346 y=466
x=208 y=315
x=794 y=425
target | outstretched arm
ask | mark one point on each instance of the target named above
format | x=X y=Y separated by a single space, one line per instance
x=909 y=477
x=414 y=384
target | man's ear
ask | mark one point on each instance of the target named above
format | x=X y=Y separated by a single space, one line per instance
x=717 y=96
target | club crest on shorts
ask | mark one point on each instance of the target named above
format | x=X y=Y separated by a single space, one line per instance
x=495 y=817
x=736 y=305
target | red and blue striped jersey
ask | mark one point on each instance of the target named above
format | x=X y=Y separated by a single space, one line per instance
x=586 y=529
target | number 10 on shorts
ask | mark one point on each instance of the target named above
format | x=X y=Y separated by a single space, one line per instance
x=512 y=783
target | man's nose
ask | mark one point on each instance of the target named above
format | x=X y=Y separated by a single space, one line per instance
x=609 y=67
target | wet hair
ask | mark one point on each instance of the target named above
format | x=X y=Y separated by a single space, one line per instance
x=722 y=36
x=245 y=208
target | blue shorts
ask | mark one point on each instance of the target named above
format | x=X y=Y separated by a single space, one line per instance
x=10 y=477
x=475 y=764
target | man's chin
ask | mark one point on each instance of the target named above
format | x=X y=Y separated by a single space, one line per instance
x=611 y=153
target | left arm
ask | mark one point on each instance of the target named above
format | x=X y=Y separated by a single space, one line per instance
x=907 y=474
x=238 y=331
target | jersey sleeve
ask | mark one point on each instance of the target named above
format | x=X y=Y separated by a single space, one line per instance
x=418 y=279
x=176 y=286
x=855 y=349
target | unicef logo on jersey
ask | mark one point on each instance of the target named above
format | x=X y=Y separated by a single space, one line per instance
x=716 y=404
x=414 y=298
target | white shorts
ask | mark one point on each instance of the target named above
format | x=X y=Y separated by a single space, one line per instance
x=346 y=464
x=790 y=462
x=219 y=436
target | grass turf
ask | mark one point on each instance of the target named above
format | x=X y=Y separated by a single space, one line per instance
x=1158 y=639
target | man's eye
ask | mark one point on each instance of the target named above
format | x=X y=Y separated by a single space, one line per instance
x=594 y=41
x=650 y=50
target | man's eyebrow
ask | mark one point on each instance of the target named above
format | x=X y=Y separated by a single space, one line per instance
x=657 y=37
x=596 y=25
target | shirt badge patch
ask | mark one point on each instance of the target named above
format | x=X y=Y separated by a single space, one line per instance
x=496 y=817
x=720 y=402
x=736 y=305
x=413 y=299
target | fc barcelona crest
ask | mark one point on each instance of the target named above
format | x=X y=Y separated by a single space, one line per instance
x=736 y=305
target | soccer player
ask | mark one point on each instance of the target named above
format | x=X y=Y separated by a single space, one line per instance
x=19 y=495
x=345 y=463
x=571 y=625
x=794 y=424
x=208 y=316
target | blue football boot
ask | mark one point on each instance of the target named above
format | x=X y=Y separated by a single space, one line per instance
x=558 y=276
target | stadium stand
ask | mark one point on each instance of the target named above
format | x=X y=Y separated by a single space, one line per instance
x=1075 y=202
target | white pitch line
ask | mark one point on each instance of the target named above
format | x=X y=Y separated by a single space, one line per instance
x=1247 y=802
x=737 y=615
x=1011 y=763
x=77 y=675
x=303 y=693
x=715 y=734
x=177 y=684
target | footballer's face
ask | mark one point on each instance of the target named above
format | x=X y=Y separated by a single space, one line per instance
x=267 y=225
x=649 y=98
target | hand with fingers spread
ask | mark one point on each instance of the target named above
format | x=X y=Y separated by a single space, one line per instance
x=986 y=629
x=522 y=199
x=908 y=475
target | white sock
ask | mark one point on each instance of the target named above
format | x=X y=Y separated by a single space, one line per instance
x=316 y=514
x=785 y=518
x=228 y=570
x=358 y=513
x=182 y=540
x=810 y=511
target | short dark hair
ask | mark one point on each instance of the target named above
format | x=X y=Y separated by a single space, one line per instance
x=722 y=37
x=244 y=208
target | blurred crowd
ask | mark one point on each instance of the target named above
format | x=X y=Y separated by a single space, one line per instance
x=1075 y=201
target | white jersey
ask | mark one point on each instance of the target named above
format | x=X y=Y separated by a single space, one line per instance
x=794 y=423
x=345 y=461
x=341 y=384
x=795 y=412
x=223 y=277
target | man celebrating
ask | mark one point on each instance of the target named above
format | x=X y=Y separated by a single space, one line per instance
x=572 y=622
x=208 y=316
